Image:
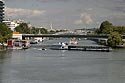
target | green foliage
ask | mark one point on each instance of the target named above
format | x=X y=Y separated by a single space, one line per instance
x=38 y=30
x=5 y=33
x=106 y=27
x=115 y=32
x=33 y=31
x=114 y=39
x=120 y=29
x=43 y=31
x=52 y=32
x=23 y=28
x=1 y=41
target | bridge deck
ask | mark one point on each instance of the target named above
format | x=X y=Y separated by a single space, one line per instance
x=66 y=35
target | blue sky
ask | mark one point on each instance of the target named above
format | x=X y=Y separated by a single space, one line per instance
x=66 y=14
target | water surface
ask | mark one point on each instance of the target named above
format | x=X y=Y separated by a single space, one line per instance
x=61 y=66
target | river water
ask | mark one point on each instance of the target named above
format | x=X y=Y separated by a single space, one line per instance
x=34 y=65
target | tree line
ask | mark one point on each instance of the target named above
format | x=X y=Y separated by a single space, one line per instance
x=25 y=29
x=114 y=32
x=5 y=33
x=107 y=27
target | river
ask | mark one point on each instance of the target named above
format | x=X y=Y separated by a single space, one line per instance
x=34 y=65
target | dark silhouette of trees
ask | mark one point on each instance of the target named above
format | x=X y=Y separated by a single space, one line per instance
x=114 y=39
x=114 y=33
x=5 y=33
x=23 y=28
x=105 y=28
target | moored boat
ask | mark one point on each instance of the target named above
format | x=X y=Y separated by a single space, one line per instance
x=18 y=44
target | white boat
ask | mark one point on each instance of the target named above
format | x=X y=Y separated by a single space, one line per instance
x=18 y=44
x=60 y=46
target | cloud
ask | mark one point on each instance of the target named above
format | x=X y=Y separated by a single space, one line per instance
x=117 y=19
x=86 y=18
x=20 y=12
x=78 y=22
x=44 y=1
x=89 y=9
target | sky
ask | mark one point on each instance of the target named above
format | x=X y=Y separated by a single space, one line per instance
x=66 y=14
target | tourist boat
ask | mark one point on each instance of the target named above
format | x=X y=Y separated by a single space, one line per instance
x=18 y=44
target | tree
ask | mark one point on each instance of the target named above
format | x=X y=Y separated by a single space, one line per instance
x=33 y=30
x=114 y=39
x=38 y=30
x=5 y=33
x=23 y=28
x=43 y=31
x=106 y=27
x=120 y=29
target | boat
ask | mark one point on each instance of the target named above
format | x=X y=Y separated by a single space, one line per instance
x=25 y=44
x=90 y=48
x=73 y=41
x=60 y=46
x=34 y=41
x=18 y=44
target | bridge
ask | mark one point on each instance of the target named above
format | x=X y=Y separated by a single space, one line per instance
x=67 y=35
x=64 y=35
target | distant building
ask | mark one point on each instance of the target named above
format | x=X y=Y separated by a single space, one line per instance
x=85 y=31
x=12 y=24
x=1 y=11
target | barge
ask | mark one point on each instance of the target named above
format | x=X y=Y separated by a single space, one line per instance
x=84 y=48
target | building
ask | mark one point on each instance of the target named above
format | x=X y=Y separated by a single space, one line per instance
x=17 y=35
x=1 y=11
x=12 y=24
x=85 y=31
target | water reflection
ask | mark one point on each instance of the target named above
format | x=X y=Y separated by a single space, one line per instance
x=4 y=58
x=5 y=55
